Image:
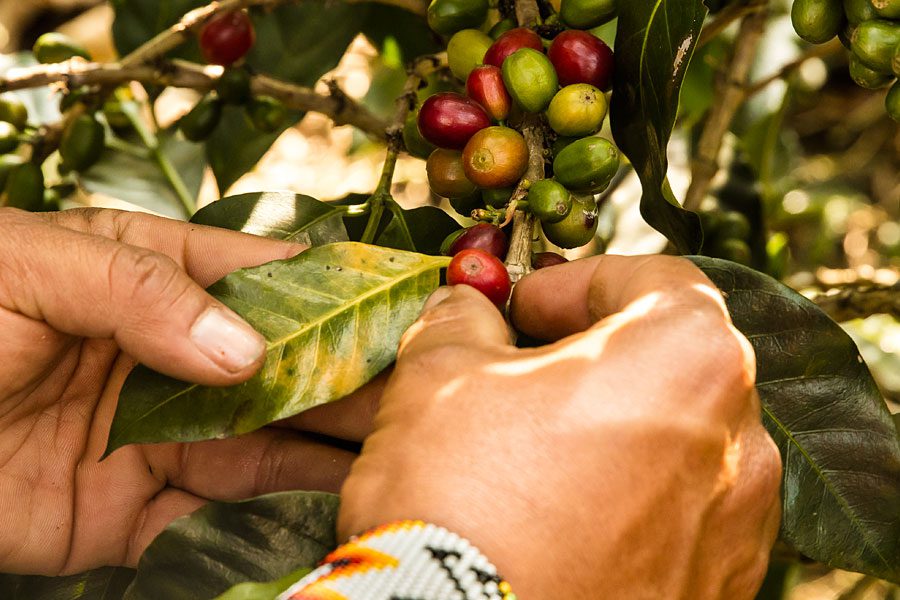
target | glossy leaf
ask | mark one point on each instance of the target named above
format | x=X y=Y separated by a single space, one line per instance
x=839 y=445
x=655 y=42
x=101 y=584
x=225 y=544
x=333 y=317
x=277 y=215
x=137 y=179
x=421 y=229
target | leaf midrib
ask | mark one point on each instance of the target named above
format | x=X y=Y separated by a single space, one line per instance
x=845 y=508
x=426 y=266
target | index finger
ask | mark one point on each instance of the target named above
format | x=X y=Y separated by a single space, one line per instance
x=554 y=303
x=207 y=254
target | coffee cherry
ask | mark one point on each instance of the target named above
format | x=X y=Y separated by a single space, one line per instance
x=485 y=86
x=233 y=86
x=731 y=249
x=587 y=165
x=25 y=187
x=449 y=120
x=449 y=240
x=817 y=21
x=579 y=226
x=580 y=57
x=587 y=14
x=865 y=77
x=82 y=143
x=467 y=204
x=12 y=110
x=8 y=162
x=733 y=224
x=874 y=43
x=497 y=198
x=446 y=175
x=892 y=102
x=577 y=110
x=496 y=157
x=511 y=42
x=202 y=120
x=544 y=260
x=530 y=79
x=56 y=47
x=858 y=11
x=413 y=141
x=502 y=27
x=482 y=271
x=227 y=38
x=483 y=236
x=466 y=51
x=549 y=201
x=887 y=9
x=266 y=114
x=9 y=137
x=449 y=16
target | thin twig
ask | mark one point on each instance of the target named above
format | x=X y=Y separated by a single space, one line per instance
x=729 y=98
x=420 y=69
x=859 y=302
x=77 y=73
x=728 y=15
x=819 y=51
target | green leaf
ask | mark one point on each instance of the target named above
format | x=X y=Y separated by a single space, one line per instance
x=225 y=544
x=655 y=42
x=136 y=178
x=277 y=215
x=108 y=583
x=264 y=591
x=333 y=317
x=839 y=446
x=421 y=229
x=410 y=31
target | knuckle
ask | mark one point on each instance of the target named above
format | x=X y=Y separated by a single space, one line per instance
x=271 y=468
x=728 y=359
x=141 y=275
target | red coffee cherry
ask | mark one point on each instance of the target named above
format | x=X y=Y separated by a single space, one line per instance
x=482 y=271
x=227 y=38
x=511 y=41
x=483 y=236
x=547 y=259
x=580 y=57
x=485 y=86
x=449 y=120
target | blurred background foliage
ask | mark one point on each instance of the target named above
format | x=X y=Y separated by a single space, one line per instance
x=812 y=161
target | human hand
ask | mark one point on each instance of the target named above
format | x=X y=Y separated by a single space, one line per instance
x=625 y=460
x=83 y=295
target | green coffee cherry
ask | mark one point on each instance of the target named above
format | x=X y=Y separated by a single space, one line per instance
x=266 y=114
x=588 y=165
x=733 y=225
x=875 y=43
x=865 y=77
x=55 y=48
x=895 y=63
x=466 y=51
x=858 y=11
x=25 y=187
x=9 y=137
x=577 y=228
x=887 y=9
x=502 y=27
x=817 y=21
x=82 y=143
x=731 y=249
x=202 y=120
x=466 y=204
x=12 y=110
x=233 y=86
x=587 y=14
x=7 y=163
x=577 y=110
x=450 y=240
x=413 y=141
x=530 y=79
x=892 y=102
x=497 y=198
x=449 y=16
x=549 y=201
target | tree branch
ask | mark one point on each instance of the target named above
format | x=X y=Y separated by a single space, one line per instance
x=518 y=260
x=730 y=93
x=76 y=73
x=193 y=21
x=819 y=51
x=859 y=302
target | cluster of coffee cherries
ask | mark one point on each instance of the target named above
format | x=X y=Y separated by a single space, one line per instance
x=477 y=158
x=80 y=147
x=225 y=41
x=869 y=29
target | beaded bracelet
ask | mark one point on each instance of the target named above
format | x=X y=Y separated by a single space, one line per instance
x=407 y=560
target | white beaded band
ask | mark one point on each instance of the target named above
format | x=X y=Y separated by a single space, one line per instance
x=409 y=560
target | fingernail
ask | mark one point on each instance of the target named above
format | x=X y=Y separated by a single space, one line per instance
x=439 y=295
x=227 y=340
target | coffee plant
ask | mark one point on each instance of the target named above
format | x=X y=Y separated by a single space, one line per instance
x=529 y=114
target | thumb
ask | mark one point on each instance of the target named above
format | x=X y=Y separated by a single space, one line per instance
x=99 y=288
x=460 y=317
